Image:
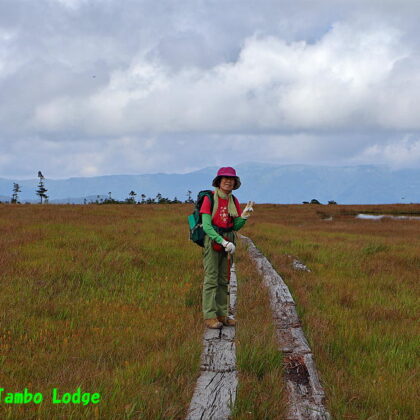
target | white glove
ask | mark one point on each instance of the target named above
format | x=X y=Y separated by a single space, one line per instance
x=229 y=246
x=248 y=210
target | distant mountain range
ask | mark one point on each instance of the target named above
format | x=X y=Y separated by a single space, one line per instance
x=261 y=182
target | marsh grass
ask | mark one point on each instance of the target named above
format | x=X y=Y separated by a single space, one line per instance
x=102 y=297
x=108 y=298
x=359 y=303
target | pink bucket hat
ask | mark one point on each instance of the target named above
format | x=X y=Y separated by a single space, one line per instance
x=227 y=171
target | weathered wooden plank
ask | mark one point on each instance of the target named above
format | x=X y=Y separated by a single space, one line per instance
x=214 y=396
x=232 y=291
x=215 y=392
x=305 y=393
x=278 y=289
x=292 y=340
x=285 y=316
x=218 y=356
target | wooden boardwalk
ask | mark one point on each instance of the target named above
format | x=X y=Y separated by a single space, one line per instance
x=215 y=391
x=305 y=394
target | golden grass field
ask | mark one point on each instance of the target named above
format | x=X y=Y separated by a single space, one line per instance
x=108 y=298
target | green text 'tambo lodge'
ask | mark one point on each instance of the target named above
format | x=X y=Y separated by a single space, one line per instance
x=56 y=397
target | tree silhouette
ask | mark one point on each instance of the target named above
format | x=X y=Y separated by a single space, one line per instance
x=190 y=200
x=159 y=199
x=132 y=198
x=41 y=188
x=16 y=190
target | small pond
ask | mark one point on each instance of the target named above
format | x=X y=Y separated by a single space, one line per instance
x=381 y=216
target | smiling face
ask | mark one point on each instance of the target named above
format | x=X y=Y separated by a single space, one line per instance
x=227 y=183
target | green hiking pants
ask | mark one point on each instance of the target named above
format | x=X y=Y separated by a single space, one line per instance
x=215 y=288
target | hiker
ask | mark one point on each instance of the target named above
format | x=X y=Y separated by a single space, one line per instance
x=219 y=224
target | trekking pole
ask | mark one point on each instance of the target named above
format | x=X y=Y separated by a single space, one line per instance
x=228 y=267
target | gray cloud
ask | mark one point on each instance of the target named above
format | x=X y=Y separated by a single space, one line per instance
x=90 y=87
x=353 y=75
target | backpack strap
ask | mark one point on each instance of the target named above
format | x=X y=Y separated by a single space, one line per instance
x=209 y=194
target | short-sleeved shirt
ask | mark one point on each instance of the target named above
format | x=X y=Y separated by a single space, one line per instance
x=221 y=218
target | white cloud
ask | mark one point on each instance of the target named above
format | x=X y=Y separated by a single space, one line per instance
x=71 y=4
x=91 y=86
x=348 y=77
x=89 y=170
x=397 y=154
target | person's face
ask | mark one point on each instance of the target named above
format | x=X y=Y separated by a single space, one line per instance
x=227 y=183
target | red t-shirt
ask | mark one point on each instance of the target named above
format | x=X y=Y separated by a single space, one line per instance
x=221 y=217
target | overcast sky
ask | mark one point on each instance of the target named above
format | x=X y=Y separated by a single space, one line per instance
x=95 y=87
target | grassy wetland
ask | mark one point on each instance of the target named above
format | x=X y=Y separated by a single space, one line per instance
x=102 y=297
x=359 y=303
x=108 y=299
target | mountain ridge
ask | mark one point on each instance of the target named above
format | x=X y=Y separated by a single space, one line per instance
x=261 y=182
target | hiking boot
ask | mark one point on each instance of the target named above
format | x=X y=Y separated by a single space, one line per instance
x=213 y=323
x=228 y=322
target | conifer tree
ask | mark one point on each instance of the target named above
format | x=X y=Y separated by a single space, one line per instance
x=41 y=188
x=16 y=190
x=189 y=200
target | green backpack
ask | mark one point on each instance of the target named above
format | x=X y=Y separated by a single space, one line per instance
x=194 y=220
